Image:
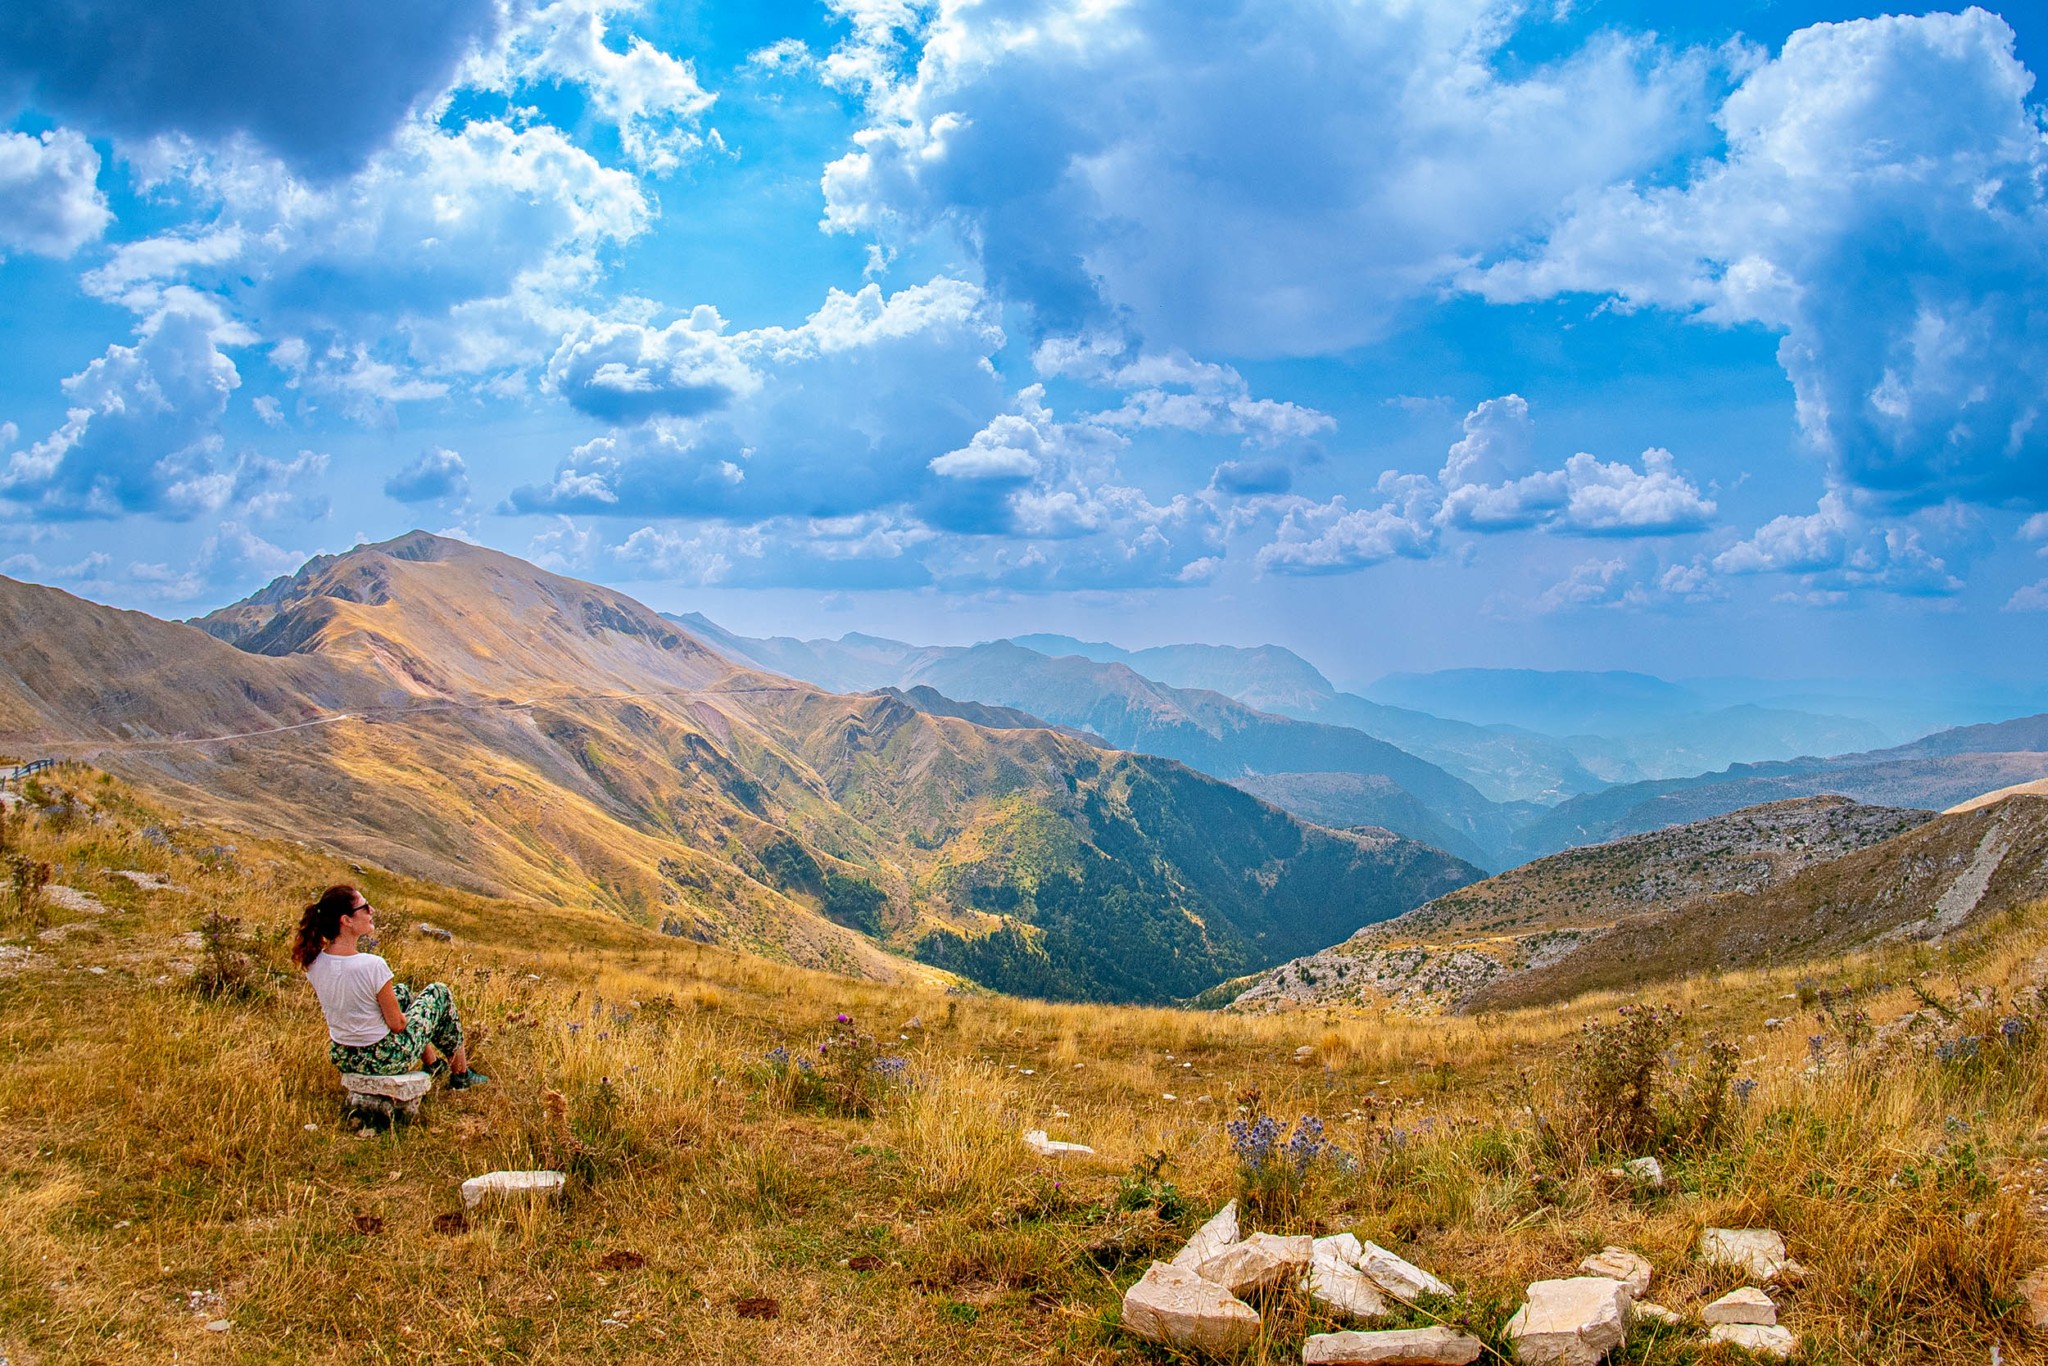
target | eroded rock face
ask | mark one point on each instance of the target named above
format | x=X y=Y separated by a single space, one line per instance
x=1619 y=1264
x=1746 y=1305
x=1209 y=1239
x=1402 y=1279
x=1173 y=1306
x=1339 y=1247
x=504 y=1184
x=1755 y=1338
x=1263 y=1261
x=1409 y=1346
x=1758 y=1251
x=1571 y=1322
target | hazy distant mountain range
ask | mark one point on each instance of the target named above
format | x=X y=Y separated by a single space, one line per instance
x=1389 y=786
x=1440 y=781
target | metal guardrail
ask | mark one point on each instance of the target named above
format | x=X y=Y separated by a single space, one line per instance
x=20 y=771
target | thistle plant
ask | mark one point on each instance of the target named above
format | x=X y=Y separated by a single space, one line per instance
x=1274 y=1164
x=845 y=1073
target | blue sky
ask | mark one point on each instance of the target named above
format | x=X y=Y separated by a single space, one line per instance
x=1413 y=334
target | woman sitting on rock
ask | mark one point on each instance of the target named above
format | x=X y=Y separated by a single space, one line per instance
x=375 y=1026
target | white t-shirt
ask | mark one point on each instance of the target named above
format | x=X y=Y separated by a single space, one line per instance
x=347 y=985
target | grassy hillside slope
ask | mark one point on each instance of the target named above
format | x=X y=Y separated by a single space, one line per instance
x=172 y=1159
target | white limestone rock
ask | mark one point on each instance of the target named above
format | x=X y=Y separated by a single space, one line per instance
x=1402 y=1279
x=1346 y=1290
x=1647 y=1312
x=1758 y=1251
x=1036 y=1140
x=1790 y=1275
x=1755 y=1338
x=1745 y=1305
x=1343 y=1248
x=1210 y=1238
x=504 y=1184
x=1405 y=1346
x=1174 y=1306
x=1618 y=1263
x=1261 y=1262
x=1571 y=1322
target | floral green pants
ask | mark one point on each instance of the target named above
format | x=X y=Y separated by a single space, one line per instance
x=429 y=1018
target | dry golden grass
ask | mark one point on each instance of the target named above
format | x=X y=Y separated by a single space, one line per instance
x=166 y=1160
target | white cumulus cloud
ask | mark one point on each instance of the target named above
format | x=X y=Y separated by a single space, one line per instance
x=1882 y=202
x=1108 y=168
x=50 y=202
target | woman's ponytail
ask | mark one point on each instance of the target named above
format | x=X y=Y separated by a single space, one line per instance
x=321 y=922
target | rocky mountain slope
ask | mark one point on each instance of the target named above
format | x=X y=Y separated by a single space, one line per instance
x=1486 y=937
x=1927 y=883
x=462 y=715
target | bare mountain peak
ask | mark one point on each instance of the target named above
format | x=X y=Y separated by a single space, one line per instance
x=443 y=617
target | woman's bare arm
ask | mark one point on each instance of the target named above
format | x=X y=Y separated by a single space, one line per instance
x=387 y=1002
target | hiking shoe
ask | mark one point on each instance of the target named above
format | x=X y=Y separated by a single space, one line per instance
x=435 y=1070
x=462 y=1081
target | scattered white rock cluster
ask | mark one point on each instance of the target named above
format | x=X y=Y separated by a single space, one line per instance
x=1193 y=1302
x=1196 y=1302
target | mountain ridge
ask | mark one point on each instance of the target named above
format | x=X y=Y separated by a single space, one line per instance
x=484 y=722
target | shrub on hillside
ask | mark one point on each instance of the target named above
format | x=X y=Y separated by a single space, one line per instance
x=30 y=877
x=1629 y=1093
x=228 y=969
x=1146 y=1187
x=855 y=902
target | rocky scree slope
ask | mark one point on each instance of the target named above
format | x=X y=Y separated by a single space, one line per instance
x=1926 y=884
x=1444 y=954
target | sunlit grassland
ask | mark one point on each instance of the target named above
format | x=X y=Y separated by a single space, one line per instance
x=155 y=1143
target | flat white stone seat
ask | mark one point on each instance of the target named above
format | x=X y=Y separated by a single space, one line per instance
x=387 y=1096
